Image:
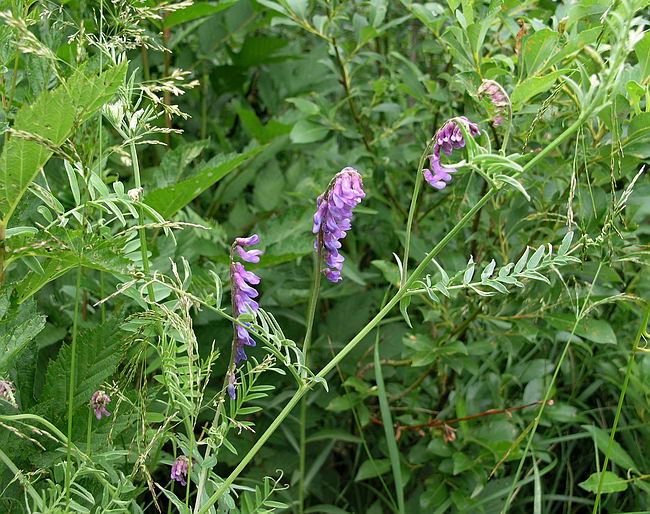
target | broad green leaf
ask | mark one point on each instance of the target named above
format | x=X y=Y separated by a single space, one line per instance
x=305 y=106
x=533 y=86
x=344 y=402
x=169 y=200
x=18 y=326
x=598 y=331
x=642 y=50
x=195 y=11
x=263 y=133
x=372 y=468
x=617 y=453
x=612 y=483
x=306 y=131
x=298 y=6
x=258 y=50
x=50 y=120
x=538 y=48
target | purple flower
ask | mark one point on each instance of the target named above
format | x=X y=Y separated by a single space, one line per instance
x=243 y=294
x=447 y=139
x=333 y=216
x=498 y=98
x=7 y=391
x=248 y=241
x=179 y=469
x=98 y=402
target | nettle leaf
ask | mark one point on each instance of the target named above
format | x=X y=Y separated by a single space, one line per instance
x=49 y=121
x=18 y=326
x=69 y=249
x=98 y=352
x=169 y=200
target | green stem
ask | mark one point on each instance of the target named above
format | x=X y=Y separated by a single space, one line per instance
x=89 y=432
x=71 y=385
x=141 y=230
x=2 y=253
x=311 y=314
x=414 y=200
x=347 y=349
x=621 y=398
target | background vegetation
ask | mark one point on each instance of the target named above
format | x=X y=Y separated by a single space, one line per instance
x=140 y=138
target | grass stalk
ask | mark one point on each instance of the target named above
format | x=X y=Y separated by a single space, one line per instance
x=626 y=382
x=311 y=314
x=141 y=230
x=72 y=384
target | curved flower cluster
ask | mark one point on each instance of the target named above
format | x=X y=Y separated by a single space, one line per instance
x=7 y=391
x=448 y=138
x=243 y=292
x=179 y=469
x=498 y=98
x=333 y=217
x=98 y=402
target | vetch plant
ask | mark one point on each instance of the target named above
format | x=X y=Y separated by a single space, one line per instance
x=453 y=358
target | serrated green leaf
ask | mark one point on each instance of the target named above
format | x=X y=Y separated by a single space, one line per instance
x=98 y=352
x=50 y=118
x=18 y=326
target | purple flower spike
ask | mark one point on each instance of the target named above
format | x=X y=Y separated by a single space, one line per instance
x=243 y=294
x=333 y=218
x=179 y=469
x=448 y=139
x=98 y=402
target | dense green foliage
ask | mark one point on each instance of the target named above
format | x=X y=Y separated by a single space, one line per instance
x=507 y=365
